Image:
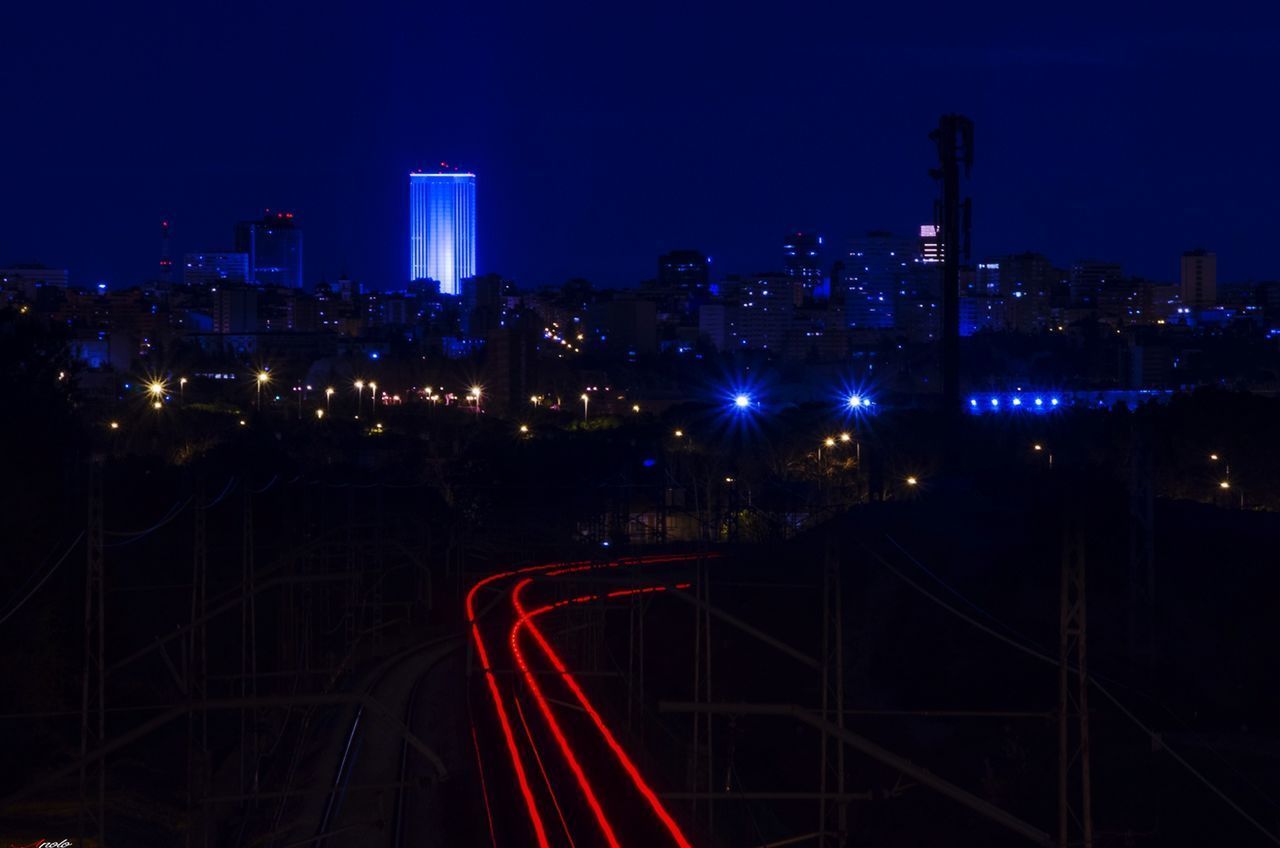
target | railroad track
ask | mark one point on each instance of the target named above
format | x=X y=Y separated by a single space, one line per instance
x=328 y=825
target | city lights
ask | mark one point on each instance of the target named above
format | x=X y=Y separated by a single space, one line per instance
x=742 y=401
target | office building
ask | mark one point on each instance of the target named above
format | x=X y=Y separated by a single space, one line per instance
x=235 y=309
x=802 y=259
x=879 y=268
x=29 y=279
x=210 y=269
x=1199 y=279
x=442 y=227
x=684 y=270
x=274 y=248
x=1088 y=278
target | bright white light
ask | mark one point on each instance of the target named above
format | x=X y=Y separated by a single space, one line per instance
x=855 y=401
x=1017 y=401
x=742 y=401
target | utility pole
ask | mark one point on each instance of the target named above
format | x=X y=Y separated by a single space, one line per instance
x=197 y=679
x=832 y=699
x=1075 y=823
x=92 y=690
x=248 y=653
x=1142 y=577
x=954 y=138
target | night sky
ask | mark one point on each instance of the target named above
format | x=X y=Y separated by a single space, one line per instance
x=604 y=134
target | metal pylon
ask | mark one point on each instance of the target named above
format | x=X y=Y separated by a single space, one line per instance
x=92 y=692
x=1075 y=803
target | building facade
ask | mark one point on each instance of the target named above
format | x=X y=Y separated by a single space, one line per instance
x=1199 y=279
x=274 y=248
x=442 y=228
x=209 y=269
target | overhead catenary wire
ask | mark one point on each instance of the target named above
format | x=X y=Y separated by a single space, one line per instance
x=1093 y=675
x=1043 y=657
x=49 y=573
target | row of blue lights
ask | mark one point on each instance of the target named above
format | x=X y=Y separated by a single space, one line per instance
x=1037 y=403
x=743 y=401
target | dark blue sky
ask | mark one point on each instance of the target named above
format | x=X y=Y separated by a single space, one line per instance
x=603 y=134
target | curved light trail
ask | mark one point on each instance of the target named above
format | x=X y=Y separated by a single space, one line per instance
x=523 y=620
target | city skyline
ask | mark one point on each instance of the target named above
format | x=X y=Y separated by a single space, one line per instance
x=645 y=156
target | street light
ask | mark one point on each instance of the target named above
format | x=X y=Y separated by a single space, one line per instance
x=328 y=398
x=373 y=394
x=319 y=414
x=475 y=394
x=586 y=401
x=263 y=377
x=359 y=396
x=156 y=389
x=679 y=434
x=182 y=385
x=742 y=401
x=846 y=438
x=912 y=481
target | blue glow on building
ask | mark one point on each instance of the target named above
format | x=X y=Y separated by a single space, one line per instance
x=442 y=228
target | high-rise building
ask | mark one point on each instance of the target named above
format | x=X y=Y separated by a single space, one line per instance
x=1088 y=278
x=213 y=268
x=235 y=309
x=879 y=268
x=1199 y=279
x=684 y=270
x=442 y=227
x=274 y=247
x=802 y=258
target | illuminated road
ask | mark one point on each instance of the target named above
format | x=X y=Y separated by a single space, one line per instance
x=541 y=744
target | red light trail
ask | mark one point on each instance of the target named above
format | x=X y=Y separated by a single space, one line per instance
x=523 y=619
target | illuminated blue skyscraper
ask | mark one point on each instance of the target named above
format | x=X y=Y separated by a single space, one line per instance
x=442 y=227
